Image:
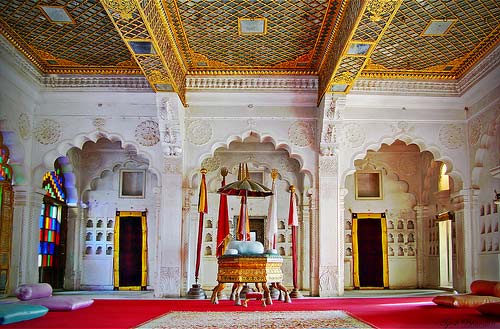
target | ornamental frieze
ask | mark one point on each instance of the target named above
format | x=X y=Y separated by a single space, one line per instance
x=48 y=132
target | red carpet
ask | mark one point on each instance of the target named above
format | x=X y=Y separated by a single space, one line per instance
x=415 y=312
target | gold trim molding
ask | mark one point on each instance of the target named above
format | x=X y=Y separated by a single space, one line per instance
x=124 y=8
x=379 y=8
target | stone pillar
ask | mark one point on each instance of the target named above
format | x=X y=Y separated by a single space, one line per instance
x=25 y=239
x=74 y=248
x=465 y=204
x=341 y=236
x=422 y=216
x=312 y=196
x=169 y=253
x=331 y=235
x=304 y=233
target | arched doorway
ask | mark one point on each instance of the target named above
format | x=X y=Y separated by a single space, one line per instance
x=410 y=197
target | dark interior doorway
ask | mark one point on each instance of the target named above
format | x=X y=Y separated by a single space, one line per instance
x=257 y=228
x=370 y=253
x=130 y=246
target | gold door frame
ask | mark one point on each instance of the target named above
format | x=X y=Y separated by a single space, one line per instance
x=116 y=252
x=355 y=252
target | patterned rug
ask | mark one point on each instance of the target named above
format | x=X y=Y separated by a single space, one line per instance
x=254 y=320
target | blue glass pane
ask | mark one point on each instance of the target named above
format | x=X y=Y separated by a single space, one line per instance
x=51 y=249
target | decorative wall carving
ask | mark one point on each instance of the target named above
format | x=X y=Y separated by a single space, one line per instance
x=211 y=164
x=199 y=132
x=24 y=126
x=328 y=276
x=170 y=279
x=402 y=127
x=328 y=166
x=353 y=135
x=99 y=123
x=169 y=127
x=147 y=133
x=475 y=130
x=452 y=136
x=301 y=134
x=172 y=165
x=48 y=131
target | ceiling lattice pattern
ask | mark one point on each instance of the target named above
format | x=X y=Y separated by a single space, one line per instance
x=304 y=37
x=295 y=32
x=91 y=41
x=403 y=48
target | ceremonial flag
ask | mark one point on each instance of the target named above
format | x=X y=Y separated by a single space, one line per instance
x=272 y=215
x=223 y=235
x=202 y=209
x=293 y=221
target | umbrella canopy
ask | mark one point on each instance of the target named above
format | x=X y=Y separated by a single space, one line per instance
x=245 y=186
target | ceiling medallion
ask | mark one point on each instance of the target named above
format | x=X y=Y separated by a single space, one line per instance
x=379 y=8
x=124 y=8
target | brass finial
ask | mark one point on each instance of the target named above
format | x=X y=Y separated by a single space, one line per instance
x=240 y=171
x=292 y=189
x=274 y=174
x=223 y=171
x=203 y=170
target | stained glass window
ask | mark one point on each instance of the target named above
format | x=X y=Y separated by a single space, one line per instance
x=50 y=218
x=5 y=169
x=50 y=231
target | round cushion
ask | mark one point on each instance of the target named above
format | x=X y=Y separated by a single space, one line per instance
x=33 y=290
x=247 y=247
x=485 y=288
x=491 y=309
x=231 y=252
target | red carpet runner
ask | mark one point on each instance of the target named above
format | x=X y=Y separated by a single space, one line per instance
x=415 y=312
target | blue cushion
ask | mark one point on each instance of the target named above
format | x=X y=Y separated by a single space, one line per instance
x=10 y=313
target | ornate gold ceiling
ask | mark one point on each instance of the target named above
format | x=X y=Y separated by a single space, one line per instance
x=338 y=41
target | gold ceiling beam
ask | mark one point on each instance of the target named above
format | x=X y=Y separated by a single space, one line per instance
x=144 y=28
x=363 y=25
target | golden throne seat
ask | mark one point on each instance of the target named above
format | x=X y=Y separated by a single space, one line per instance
x=262 y=269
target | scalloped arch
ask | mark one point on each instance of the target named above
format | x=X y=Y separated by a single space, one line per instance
x=64 y=146
x=422 y=145
x=62 y=149
x=263 y=138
